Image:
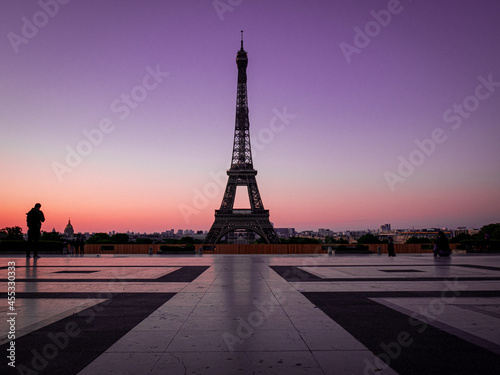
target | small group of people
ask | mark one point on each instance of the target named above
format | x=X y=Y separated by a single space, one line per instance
x=441 y=246
x=75 y=247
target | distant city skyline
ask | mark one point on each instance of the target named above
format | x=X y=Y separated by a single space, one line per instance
x=177 y=230
x=120 y=115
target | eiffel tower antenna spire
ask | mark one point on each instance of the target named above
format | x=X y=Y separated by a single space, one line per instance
x=242 y=173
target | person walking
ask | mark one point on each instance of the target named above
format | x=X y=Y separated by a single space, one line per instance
x=34 y=219
x=390 y=248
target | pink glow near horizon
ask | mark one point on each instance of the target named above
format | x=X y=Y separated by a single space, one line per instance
x=121 y=116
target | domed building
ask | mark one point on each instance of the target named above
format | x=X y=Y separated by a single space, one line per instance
x=69 y=231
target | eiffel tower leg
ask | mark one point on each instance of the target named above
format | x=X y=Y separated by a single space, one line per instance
x=229 y=194
x=226 y=222
x=253 y=192
x=213 y=234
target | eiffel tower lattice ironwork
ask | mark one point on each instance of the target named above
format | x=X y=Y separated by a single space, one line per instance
x=227 y=218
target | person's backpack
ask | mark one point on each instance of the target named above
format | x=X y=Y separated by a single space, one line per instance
x=32 y=218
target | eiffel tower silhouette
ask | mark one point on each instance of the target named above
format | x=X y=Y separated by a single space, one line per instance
x=227 y=218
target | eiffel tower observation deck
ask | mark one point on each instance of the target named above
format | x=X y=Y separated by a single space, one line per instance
x=242 y=173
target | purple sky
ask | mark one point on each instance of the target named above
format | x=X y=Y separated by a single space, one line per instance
x=335 y=132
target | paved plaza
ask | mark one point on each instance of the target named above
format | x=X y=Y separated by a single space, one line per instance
x=251 y=314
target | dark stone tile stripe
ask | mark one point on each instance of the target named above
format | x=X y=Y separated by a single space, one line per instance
x=62 y=295
x=184 y=274
x=18 y=265
x=70 y=344
x=294 y=274
x=67 y=346
x=427 y=350
x=389 y=294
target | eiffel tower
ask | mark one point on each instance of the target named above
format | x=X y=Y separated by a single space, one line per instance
x=227 y=218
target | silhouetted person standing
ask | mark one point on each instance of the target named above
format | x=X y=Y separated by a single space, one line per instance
x=34 y=219
x=487 y=239
x=390 y=248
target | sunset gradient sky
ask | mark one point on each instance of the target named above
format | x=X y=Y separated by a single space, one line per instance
x=120 y=114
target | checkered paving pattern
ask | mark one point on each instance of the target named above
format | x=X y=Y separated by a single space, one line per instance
x=244 y=314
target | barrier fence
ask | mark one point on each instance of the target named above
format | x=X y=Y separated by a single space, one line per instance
x=247 y=249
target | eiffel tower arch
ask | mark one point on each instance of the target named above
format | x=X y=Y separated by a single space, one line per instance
x=242 y=173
